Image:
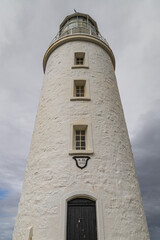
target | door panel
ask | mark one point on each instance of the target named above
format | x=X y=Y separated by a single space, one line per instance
x=81 y=220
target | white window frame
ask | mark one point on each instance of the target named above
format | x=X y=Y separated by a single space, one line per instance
x=79 y=128
x=88 y=135
x=80 y=55
x=80 y=82
x=79 y=90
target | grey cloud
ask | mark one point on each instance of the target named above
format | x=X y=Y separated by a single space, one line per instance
x=8 y=212
x=147 y=158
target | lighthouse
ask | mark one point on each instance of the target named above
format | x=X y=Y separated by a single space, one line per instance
x=80 y=181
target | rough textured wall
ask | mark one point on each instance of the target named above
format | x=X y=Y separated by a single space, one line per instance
x=52 y=175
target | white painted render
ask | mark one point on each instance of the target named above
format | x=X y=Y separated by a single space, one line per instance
x=52 y=177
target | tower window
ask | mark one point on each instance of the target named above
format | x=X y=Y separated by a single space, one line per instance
x=79 y=88
x=80 y=136
x=80 y=139
x=79 y=58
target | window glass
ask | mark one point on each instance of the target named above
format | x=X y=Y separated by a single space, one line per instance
x=80 y=140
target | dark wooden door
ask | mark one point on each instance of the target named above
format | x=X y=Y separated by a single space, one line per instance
x=81 y=219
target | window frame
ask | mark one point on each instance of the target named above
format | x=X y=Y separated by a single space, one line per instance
x=88 y=139
x=79 y=61
x=80 y=82
x=80 y=129
x=79 y=91
x=80 y=56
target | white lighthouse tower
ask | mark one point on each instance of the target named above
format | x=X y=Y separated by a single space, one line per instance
x=80 y=181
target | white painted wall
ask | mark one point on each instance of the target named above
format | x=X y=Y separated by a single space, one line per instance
x=52 y=176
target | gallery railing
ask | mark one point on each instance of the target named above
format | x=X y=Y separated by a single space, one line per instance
x=87 y=30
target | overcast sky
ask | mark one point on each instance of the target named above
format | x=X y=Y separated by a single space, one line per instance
x=132 y=29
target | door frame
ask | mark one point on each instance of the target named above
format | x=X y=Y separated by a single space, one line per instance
x=99 y=212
